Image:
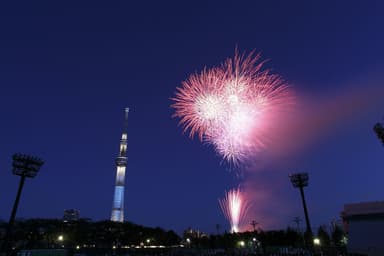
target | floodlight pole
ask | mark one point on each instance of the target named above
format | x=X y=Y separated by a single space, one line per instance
x=309 y=229
x=300 y=180
x=16 y=203
x=23 y=166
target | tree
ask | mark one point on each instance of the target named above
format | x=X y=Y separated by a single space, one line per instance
x=294 y=237
x=337 y=236
x=379 y=130
x=323 y=236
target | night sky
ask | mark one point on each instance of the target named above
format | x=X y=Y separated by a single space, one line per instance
x=69 y=68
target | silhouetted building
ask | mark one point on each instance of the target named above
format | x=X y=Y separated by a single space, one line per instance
x=71 y=215
x=364 y=225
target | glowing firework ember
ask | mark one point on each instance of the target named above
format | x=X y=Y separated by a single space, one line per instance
x=231 y=106
x=235 y=208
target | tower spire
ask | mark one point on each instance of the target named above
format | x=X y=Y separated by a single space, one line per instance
x=126 y=120
x=121 y=164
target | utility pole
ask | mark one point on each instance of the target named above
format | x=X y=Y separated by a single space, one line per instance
x=297 y=220
x=254 y=224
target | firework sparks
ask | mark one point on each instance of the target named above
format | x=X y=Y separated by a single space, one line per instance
x=231 y=106
x=235 y=208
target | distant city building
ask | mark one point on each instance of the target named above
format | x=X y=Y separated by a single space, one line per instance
x=121 y=164
x=71 y=215
x=193 y=234
x=364 y=225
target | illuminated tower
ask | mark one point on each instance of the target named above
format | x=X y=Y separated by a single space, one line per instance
x=121 y=163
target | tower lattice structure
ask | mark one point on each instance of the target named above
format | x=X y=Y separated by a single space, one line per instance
x=121 y=164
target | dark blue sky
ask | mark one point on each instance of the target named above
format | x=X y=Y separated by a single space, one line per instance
x=68 y=69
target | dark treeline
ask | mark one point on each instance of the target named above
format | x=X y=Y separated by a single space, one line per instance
x=54 y=233
x=279 y=242
x=91 y=238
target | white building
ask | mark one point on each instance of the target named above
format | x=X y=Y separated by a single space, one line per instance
x=364 y=224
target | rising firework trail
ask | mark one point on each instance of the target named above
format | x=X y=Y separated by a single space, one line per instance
x=235 y=207
x=232 y=106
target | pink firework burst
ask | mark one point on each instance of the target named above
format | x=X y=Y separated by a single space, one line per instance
x=235 y=208
x=231 y=106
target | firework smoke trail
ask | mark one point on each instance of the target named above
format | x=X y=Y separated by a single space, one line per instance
x=235 y=208
x=231 y=106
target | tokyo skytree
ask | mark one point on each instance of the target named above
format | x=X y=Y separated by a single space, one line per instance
x=121 y=164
